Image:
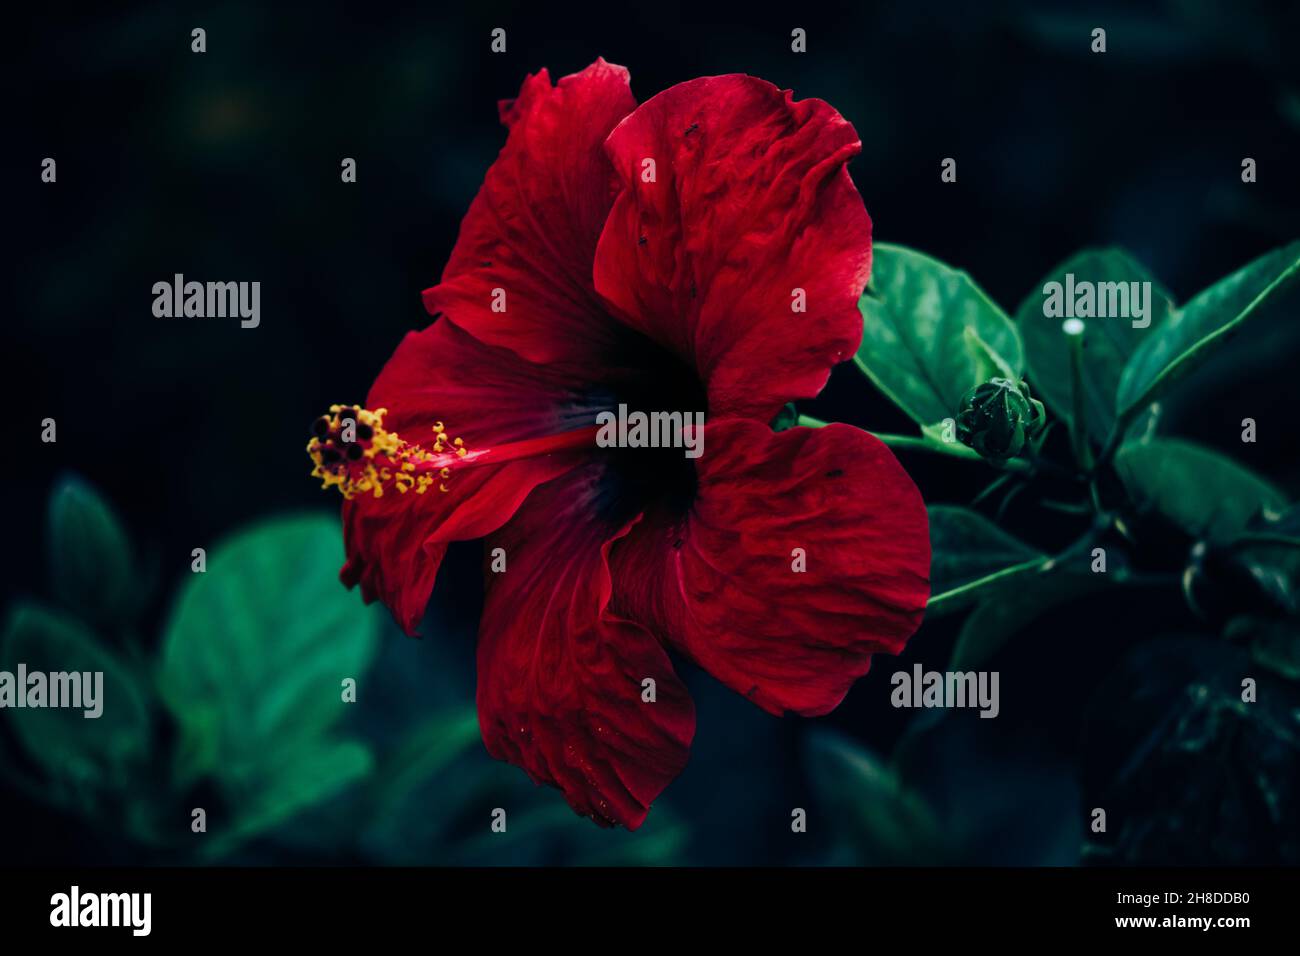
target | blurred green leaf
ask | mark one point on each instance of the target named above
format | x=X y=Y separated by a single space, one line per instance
x=75 y=750
x=1274 y=642
x=90 y=555
x=1108 y=342
x=426 y=752
x=431 y=798
x=311 y=773
x=1206 y=494
x=1009 y=610
x=1274 y=528
x=866 y=803
x=1268 y=548
x=970 y=555
x=1189 y=772
x=1187 y=338
x=256 y=650
x=1002 y=799
x=915 y=345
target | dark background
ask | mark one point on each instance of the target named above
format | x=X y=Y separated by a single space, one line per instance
x=225 y=166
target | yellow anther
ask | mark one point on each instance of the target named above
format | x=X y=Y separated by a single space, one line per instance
x=381 y=459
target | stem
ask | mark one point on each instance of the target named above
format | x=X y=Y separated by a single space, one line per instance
x=920 y=443
x=1078 y=427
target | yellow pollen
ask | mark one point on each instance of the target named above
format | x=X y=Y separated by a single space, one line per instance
x=353 y=452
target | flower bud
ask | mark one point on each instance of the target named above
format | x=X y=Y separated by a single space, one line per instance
x=998 y=417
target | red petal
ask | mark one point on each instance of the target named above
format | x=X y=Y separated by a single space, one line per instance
x=560 y=677
x=532 y=229
x=751 y=201
x=721 y=585
x=486 y=396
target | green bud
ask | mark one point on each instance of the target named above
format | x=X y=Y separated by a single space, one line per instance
x=998 y=417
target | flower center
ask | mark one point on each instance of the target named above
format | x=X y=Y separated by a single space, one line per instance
x=353 y=452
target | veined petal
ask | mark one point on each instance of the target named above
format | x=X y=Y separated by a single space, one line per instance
x=806 y=552
x=442 y=375
x=738 y=238
x=561 y=678
x=520 y=274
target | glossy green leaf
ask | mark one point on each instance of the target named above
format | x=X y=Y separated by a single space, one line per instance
x=91 y=566
x=257 y=647
x=915 y=345
x=1205 y=493
x=887 y=823
x=970 y=555
x=73 y=748
x=1188 y=337
x=1108 y=342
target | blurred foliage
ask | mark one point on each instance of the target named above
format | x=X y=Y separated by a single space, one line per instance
x=242 y=713
x=952 y=795
x=1191 y=773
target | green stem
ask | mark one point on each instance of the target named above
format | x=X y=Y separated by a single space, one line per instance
x=920 y=443
x=1078 y=426
x=807 y=421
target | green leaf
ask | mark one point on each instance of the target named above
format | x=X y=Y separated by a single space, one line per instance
x=915 y=346
x=1009 y=610
x=1108 y=342
x=425 y=752
x=887 y=823
x=1274 y=528
x=313 y=772
x=988 y=363
x=1187 y=338
x=256 y=649
x=970 y=555
x=90 y=555
x=1206 y=494
x=74 y=749
x=1275 y=644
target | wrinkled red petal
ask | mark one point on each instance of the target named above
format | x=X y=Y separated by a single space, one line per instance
x=485 y=395
x=531 y=231
x=751 y=201
x=721 y=584
x=560 y=677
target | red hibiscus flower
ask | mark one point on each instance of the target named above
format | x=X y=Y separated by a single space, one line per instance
x=648 y=256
